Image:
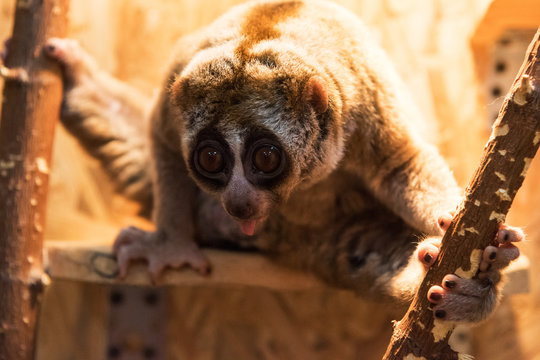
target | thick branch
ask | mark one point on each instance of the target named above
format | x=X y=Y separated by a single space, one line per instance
x=507 y=156
x=31 y=102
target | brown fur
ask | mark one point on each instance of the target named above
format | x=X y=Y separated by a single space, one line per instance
x=260 y=24
x=354 y=161
x=356 y=188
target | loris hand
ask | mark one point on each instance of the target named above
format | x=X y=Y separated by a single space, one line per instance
x=133 y=243
x=471 y=300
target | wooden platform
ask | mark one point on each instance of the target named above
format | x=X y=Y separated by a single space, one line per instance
x=249 y=307
x=95 y=263
x=90 y=262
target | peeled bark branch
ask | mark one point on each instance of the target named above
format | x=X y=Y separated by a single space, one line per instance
x=31 y=102
x=507 y=156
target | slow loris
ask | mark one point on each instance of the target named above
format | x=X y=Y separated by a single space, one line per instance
x=281 y=126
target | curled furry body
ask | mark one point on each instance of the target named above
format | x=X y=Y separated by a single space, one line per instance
x=281 y=126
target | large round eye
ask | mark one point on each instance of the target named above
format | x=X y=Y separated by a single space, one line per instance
x=267 y=158
x=211 y=159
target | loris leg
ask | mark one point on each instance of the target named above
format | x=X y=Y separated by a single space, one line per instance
x=364 y=252
x=173 y=243
x=377 y=257
x=107 y=117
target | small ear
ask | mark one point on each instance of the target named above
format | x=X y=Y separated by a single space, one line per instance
x=178 y=90
x=316 y=95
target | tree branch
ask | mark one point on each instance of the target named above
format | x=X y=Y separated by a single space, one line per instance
x=507 y=156
x=31 y=103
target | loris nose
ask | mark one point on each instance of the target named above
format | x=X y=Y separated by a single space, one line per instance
x=240 y=209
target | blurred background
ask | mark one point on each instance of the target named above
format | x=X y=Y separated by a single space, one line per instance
x=458 y=58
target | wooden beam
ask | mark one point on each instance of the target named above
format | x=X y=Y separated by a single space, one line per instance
x=95 y=263
x=83 y=261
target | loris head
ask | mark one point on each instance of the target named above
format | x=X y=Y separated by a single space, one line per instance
x=254 y=131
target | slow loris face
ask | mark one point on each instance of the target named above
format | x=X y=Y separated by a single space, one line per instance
x=254 y=130
x=247 y=169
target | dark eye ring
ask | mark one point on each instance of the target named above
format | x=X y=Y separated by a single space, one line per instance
x=210 y=159
x=267 y=158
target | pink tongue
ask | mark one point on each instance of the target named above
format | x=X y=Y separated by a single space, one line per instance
x=248 y=227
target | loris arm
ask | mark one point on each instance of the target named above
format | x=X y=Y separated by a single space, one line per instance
x=173 y=243
x=413 y=181
x=405 y=173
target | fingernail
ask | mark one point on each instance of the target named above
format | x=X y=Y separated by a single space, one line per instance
x=492 y=256
x=450 y=284
x=440 y=314
x=435 y=296
x=428 y=257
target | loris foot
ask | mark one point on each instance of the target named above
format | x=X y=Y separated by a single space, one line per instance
x=75 y=61
x=471 y=300
x=133 y=243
